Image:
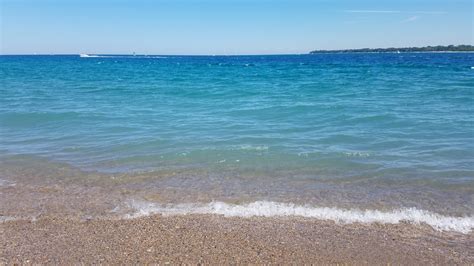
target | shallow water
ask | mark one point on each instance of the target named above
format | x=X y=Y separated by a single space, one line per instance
x=376 y=131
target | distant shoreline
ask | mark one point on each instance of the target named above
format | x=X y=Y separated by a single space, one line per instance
x=348 y=51
x=426 y=49
x=425 y=52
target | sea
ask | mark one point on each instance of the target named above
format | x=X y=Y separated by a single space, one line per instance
x=353 y=137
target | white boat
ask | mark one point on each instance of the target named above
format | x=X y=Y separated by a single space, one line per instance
x=87 y=55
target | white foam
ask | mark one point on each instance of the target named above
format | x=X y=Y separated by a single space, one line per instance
x=275 y=209
x=357 y=154
x=252 y=147
x=6 y=183
x=119 y=56
x=4 y=219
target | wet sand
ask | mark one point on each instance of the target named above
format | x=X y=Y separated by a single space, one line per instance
x=69 y=219
x=216 y=239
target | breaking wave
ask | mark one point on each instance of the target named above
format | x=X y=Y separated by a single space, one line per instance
x=275 y=209
x=119 y=56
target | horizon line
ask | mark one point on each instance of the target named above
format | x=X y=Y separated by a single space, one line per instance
x=243 y=54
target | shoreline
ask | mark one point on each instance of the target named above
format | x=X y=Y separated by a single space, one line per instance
x=217 y=239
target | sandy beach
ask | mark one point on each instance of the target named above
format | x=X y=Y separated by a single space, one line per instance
x=216 y=239
x=46 y=220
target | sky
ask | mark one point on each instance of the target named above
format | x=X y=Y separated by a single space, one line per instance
x=215 y=27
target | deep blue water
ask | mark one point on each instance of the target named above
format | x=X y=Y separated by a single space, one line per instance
x=386 y=120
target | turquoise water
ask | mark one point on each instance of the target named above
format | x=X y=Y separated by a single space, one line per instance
x=293 y=128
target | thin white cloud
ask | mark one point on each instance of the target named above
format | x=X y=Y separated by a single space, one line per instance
x=371 y=11
x=430 y=12
x=410 y=19
x=367 y=11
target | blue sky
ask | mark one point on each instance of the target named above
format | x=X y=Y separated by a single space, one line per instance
x=229 y=26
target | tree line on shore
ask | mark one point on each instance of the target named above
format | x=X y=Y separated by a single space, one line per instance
x=438 y=48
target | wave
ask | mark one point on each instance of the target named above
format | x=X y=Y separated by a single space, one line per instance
x=120 y=56
x=275 y=209
x=252 y=147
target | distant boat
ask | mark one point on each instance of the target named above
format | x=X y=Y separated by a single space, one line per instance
x=87 y=55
